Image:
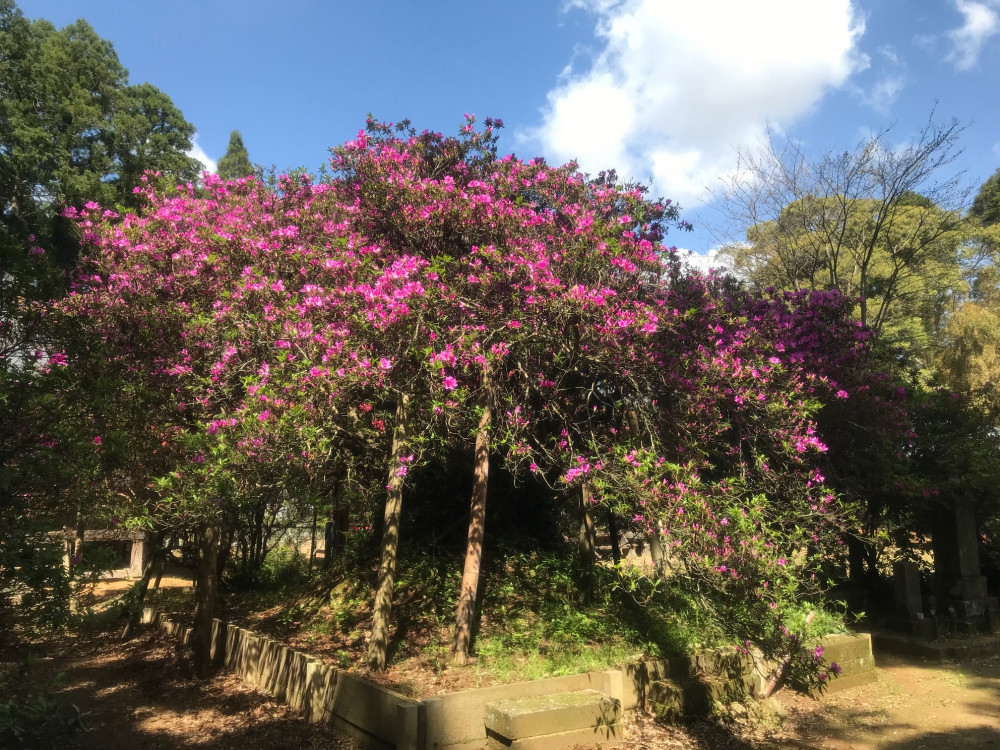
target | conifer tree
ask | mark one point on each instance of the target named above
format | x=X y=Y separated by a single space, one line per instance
x=235 y=163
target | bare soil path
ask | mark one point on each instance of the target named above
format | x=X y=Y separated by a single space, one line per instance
x=915 y=704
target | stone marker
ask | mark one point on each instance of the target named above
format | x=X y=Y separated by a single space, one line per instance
x=956 y=563
x=906 y=582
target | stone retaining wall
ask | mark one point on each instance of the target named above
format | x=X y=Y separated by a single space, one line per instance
x=381 y=718
x=375 y=716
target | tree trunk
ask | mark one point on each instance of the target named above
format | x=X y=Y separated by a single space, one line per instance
x=142 y=586
x=616 y=550
x=335 y=533
x=474 y=549
x=656 y=550
x=206 y=598
x=312 y=539
x=379 y=641
x=162 y=563
x=587 y=546
x=341 y=516
x=855 y=559
x=76 y=550
x=329 y=529
x=225 y=547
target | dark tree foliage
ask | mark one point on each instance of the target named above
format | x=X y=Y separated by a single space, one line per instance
x=235 y=163
x=986 y=205
x=73 y=130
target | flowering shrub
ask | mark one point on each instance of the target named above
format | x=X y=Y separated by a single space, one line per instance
x=271 y=335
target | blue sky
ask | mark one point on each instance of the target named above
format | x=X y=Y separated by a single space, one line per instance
x=662 y=90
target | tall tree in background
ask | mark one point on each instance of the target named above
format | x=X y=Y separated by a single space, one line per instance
x=235 y=163
x=969 y=347
x=879 y=224
x=986 y=205
x=73 y=130
x=874 y=223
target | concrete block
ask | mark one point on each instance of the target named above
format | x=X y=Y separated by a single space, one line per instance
x=408 y=726
x=551 y=714
x=613 y=684
x=234 y=648
x=694 y=696
x=433 y=723
x=273 y=667
x=367 y=706
x=848 y=680
x=461 y=714
x=843 y=647
x=310 y=686
x=321 y=680
x=249 y=666
x=589 y=738
x=637 y=678
x=217 y=649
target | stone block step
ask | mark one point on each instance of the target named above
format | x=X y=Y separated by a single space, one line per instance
x=560 y=720
x=848 y=680
x=854 y=673
x=843 y=647
x=682 y=698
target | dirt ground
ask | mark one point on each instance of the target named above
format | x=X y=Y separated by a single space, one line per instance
x=142 y=694
x=914 y=704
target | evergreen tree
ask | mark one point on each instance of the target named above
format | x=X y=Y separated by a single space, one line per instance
x=986 y=206
x=73 y=130
x=235 y=163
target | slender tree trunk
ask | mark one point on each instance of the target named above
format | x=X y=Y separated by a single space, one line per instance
x=656 y=550
x=225 y=547
x=341 y=516
x=312 y=540
x=76 y=550
x=855 y=560
x=329 y=529
x=616 y=550
x=474 y=549
x=142 y=586
x=587 y=545
x=206 y=598
x=162 y=562
x=379 y=641
x=81 y=529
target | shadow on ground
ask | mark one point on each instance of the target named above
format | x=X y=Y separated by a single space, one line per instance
x=143 y=694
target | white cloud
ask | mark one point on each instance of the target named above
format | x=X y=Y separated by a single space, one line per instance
x=883 y=94
x=982 y=21
x=197 y=152
x=703 y=262
x=889 y=53
x=677 y=85
x=889 y=72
